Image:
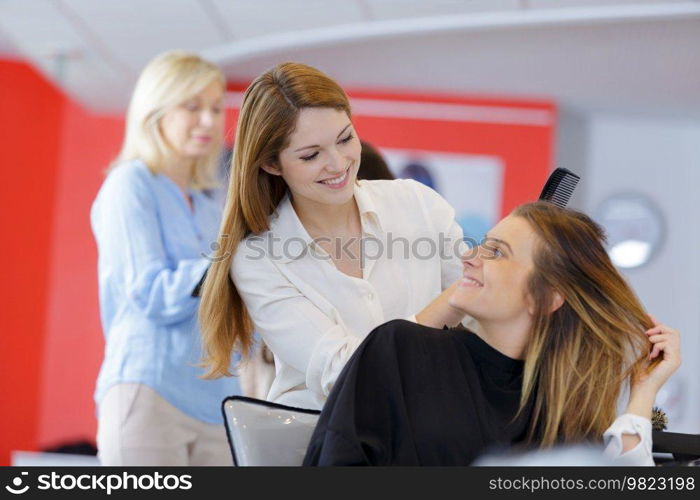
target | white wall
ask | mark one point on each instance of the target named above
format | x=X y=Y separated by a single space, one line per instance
x=661 y=159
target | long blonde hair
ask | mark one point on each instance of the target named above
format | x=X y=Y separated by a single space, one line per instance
x=267 y=118
x=580 y=356
x=166 y=81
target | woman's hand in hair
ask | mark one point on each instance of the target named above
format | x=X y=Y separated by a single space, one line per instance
x=665 y=356
x=664 y=359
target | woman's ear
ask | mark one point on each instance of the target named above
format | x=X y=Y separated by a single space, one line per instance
x=271 y=169
x=530 y=304
x=557 y=301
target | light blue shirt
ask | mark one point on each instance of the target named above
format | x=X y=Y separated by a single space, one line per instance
x=151 y=248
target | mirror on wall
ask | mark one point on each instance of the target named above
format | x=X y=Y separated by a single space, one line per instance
x=634 y=227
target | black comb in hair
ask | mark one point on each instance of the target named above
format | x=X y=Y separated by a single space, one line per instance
x=559 y=187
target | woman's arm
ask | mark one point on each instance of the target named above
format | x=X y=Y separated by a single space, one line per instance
x=630 y=435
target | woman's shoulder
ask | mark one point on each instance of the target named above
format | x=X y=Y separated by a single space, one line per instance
x=128 y=184
x=403 y=194
x=128 y=173
x=404 y=327
x=407 y=335
x=283 y=228
x=397 y=187
x=252 y=244
x=254 y=253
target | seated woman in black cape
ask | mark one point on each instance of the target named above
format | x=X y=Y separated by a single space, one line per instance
x=561 y=337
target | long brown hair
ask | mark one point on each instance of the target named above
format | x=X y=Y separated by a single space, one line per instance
x=579 y=356
x=267 y=118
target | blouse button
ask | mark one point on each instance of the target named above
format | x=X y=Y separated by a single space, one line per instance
x=370 y=296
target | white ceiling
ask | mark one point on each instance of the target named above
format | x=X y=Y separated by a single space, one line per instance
x=632 y=56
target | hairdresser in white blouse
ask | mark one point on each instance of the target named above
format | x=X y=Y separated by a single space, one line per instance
x=294 y=227
x=293 y=230
x=311 y=313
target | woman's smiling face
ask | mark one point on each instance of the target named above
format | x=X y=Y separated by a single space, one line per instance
x=494 y=284
x=321 y=161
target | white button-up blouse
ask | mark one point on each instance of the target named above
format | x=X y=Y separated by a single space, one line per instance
x=313 y=316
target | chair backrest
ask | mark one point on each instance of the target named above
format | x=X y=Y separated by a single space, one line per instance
x=684 y=447
x=264 y=433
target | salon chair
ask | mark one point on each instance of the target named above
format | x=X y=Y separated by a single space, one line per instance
x=684 y=448
x=261 y=433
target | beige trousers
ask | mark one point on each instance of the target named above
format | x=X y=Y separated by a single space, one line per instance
x=136 y=426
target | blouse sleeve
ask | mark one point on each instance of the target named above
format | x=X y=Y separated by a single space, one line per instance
x=294 y=328
x=629 y=424
x=125 y=220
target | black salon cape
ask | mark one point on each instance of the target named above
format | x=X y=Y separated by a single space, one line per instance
x=413 y=395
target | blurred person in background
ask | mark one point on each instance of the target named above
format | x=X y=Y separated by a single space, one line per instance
x=154 y=221
x=373 y=166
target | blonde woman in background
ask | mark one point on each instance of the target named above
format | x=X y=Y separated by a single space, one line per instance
x=154 y=223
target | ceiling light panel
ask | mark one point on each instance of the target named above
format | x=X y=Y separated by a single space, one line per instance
x=43 y=35
x=37 y=28
x=135 y=31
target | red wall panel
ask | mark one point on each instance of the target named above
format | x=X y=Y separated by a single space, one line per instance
x=74 y=340
x=30 y=122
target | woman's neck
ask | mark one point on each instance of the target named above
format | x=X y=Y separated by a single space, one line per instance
x=321 y=219
x=180 y=170
x=507 y=337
